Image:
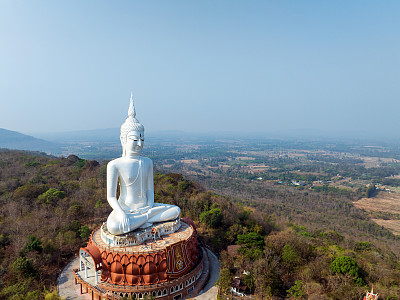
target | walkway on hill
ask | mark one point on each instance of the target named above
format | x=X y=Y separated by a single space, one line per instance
x=66 y=283
x=210 y=291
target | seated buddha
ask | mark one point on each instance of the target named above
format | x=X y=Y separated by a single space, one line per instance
x=135 y=207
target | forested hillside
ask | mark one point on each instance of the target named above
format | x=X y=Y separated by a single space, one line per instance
x=50 y=205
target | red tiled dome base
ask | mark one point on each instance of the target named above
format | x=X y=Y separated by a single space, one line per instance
x=188 y=285
x=156 y=262
x=172 y=267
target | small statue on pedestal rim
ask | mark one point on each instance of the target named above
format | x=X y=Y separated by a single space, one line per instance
x=135 y=207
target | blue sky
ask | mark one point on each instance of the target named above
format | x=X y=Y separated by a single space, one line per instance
x=201 y=66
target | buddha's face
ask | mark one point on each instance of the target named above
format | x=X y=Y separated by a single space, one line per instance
x=134 y=143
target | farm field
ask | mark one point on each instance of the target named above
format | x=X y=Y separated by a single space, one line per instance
x=383 y=202
x=392 y=225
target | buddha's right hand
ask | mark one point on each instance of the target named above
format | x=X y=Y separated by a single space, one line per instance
x=124 y=222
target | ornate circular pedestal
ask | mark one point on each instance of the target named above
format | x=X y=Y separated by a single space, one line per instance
x=167 y=267
x=138 y=236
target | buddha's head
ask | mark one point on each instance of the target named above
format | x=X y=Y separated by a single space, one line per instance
x=132 y=133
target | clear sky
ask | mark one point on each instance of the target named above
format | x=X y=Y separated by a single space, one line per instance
x=201 y=66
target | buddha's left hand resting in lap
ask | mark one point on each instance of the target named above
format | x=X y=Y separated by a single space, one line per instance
x=135 y=206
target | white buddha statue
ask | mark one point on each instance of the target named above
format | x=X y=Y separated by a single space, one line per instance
x=135 y=207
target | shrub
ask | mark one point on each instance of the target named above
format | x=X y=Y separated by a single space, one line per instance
x=52 y=296
x=80 y=163
x=99 y=204
x=4 y=240
x=18 y=290
x=32 y=295
x=363 y=246
x=74 y=210
x=32 y=164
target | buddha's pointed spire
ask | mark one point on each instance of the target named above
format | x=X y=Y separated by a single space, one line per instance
x=132 y=111
x=131 y=123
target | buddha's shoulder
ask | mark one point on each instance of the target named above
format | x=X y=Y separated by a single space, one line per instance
x=146 y=160
x=115 y=162
x=123 y=161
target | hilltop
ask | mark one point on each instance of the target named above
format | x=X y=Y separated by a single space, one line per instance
x=50 y=205
x=14 y=140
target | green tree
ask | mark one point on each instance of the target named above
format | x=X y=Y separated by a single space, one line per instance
x=32 y=164
x=266 y=280
x=347 y=266
x=80 y=163
x=252 y=244
x=34 y=244
x=296 y=291
x=225 y=279
x=290 y=257
x=250 y=240
x=51 y=196
x=84 y=232
x=249 y=281
x=99 y=204
x=24 y=267
x=74 y=210
x=371 y=191
x=183 y=185
x=212 y=217
x=29 y=191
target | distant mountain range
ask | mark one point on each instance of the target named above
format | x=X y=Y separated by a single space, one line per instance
x=102 y=142
x=94 y=144
x=14 y=140
x=111 y=135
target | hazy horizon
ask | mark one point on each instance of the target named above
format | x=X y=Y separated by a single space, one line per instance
x=226 y=66
x=109 y=134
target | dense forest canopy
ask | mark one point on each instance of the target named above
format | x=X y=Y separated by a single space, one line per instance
x=288 y=243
